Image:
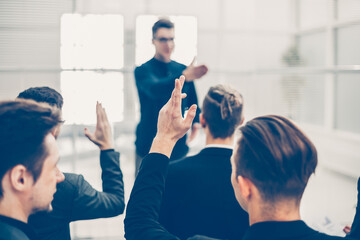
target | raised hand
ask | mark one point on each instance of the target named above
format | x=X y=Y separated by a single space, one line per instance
x=193 y=72
x=171 y=125
x=102 y=136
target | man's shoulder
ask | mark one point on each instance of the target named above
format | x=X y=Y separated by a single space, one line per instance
x=71 y=182
x=177 y=64
x=10 y=232
x=323 y=236
x=184 y=167
x=144 y=65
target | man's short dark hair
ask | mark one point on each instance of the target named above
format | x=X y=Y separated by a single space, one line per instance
x=23 y=127
x=43 y=94
x=162 y=23
x=276 y=156
x=222 y=110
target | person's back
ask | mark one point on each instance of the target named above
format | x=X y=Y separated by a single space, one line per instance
x=271 y=166
x=198 y=197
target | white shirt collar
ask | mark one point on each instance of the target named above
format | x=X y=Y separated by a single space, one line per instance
x=219 y=146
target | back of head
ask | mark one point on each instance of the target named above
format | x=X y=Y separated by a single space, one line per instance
x=276 y=156
x=162 y=23
x=43 y=94
x=222 y=110
x=23 y=127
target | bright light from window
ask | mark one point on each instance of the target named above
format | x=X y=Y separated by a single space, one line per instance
x=81 y=90
x=185 y=38
x=92 y=41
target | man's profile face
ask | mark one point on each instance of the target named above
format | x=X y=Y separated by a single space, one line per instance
x=164 y=43
x=45 y=186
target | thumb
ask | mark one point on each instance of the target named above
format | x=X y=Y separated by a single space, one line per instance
x=193 y=61
x=190 y=116
x=89 y=135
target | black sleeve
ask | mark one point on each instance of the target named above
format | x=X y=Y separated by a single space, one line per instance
x=192 y=99
x=142 y=213
x=152 y=86
x=355 y=228
x=89 y=203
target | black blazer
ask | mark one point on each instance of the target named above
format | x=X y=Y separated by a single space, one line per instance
x=12 y=229
x=75 y=199
x=199 y=198
x=142 y=212
x=292 y=230
x=355 y=227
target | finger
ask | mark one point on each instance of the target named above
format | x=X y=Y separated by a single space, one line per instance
x=190 y=116
x=182 y=80
x=205 y=68
x=193 y=61
x=102 y=113
x=98 y=117
x=106 y=117
x=177 y=94
x=183 y=95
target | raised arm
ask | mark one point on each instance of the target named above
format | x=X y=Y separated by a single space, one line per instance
x=141 y=221
x=88 y=202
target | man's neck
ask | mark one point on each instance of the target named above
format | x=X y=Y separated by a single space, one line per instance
x=283 y=211
x=13 y=209
x=161 y=58
x=221 y=141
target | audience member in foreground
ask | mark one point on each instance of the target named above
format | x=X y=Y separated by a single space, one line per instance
x=198 y=197
x=271 y=166
x=354 y=230
x=75 y=199
x=28 y=165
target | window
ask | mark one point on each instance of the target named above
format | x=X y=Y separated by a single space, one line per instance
x=92 y=42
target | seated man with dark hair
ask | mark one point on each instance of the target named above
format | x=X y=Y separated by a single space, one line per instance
x=75 y=199
x=198 y=197
x=271 y=166
x=28 y=165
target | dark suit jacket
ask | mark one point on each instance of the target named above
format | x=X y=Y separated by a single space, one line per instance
x=142 y=212
x=355 y=227
x=12 y=229
x=75 y=199
x=294 y=230
x=199 y=198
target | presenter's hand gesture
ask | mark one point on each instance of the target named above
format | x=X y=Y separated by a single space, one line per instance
x=193 y=72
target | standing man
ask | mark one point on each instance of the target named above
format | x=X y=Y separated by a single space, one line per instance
x=28 y=165
x=155 y=81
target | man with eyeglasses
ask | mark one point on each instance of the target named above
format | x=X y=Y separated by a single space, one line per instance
x=155 y=82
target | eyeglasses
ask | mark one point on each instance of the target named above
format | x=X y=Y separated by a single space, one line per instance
x=164 y=40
